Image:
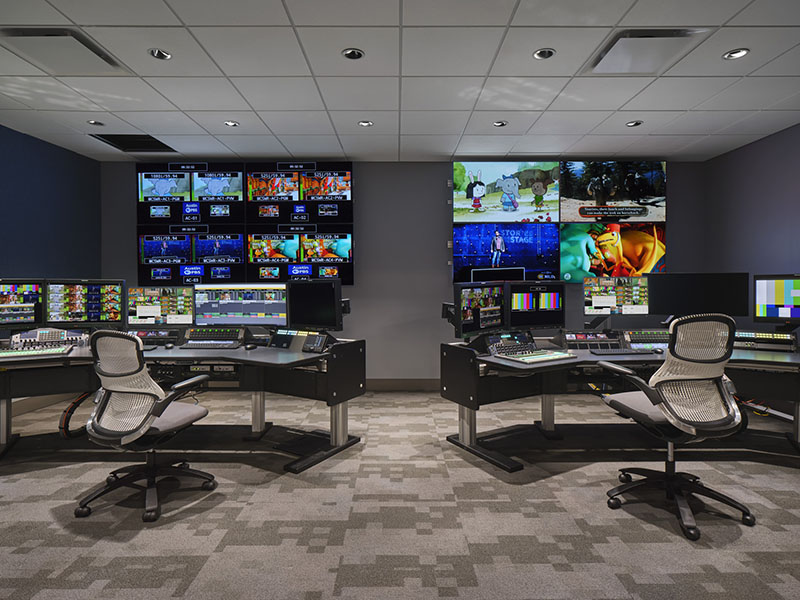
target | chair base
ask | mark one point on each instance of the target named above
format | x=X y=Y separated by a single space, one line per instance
x=150 y=472
x=678 y=487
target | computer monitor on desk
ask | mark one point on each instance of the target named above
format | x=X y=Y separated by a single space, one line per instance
x=21 y=304
x=315 y=304
x=615 y=296
x=241 y=305
x=479 y=308
x=160 y=307
x=682 y=294
x=777 y=300
x=536 y=305
x=85 y=303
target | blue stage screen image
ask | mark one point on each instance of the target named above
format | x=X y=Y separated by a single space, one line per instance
x=165 y=249
x=533 y=246
x=225 y=248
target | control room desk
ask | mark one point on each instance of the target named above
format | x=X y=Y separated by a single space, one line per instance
x=472 y=380
x=335 y=377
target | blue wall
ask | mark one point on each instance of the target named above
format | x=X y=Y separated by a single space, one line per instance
x=50 y=200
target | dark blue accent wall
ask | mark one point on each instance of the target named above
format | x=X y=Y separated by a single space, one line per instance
x=50 y=199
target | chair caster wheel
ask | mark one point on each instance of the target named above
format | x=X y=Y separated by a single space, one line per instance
x=625 y=478
x=83 y=511
x=614 y=503
x=749 y=520
x=111 y=479
x=149 y=516
x=209 y=485
x=691 y=533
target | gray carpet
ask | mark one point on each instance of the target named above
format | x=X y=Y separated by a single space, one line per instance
x=404 y=514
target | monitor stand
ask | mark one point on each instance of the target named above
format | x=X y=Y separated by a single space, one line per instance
x=786 y=328
x=596 y=322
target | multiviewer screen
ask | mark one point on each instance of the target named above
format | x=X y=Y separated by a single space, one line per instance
x=482 y=307
x=245 y=304
x=84 y=302
x=615 y=295
x=160 y=306
x=20 y=304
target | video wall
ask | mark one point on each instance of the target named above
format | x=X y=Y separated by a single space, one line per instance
x=559 y=220
x=235 y=222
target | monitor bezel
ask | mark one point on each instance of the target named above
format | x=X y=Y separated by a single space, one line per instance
x=757 y=319
x=458 y=325
x=251 y=286
x=162 y=326
x=337 y=285
x=511 y=327
x=121 y=324
x=42 y=320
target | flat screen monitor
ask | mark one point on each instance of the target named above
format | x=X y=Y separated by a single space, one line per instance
x=536 y=305
x=315 y=304
x=693 y=293
x=777 y=298
x=615 y=296
x=160 y=306
x=499 y=274
x=479 y=308
x=256 y=304
x=21 y=303
x=96 y=302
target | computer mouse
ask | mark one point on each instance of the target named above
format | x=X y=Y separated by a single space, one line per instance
x=169 y=345
x=250 y=346
x=658 y=351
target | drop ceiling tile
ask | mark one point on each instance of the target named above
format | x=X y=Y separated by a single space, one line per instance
x=344 y=12
x=77 y=120
x=678 y=93
x=385 y=122
x=753 y=93
x=151 y=157
x=433 y=122
x=714 y=145
x=44 y=93
x=769 y=12
x=8 y=103
x=33 y=123
x=660 y=146
x=519 y=93
x=568 y=121
x=681 y=13
x=440 y=93
x=599 y=93
x=299 y=122
x=214 y=122
x=603 y=144
x=162 y=122
x=88 y=146
x=480 y=123
x=370 y=147
x=312 y=145
x=545 y=144
x=230 y=12
x=130 y=45
x=576 y=13
x=356 y=93
x=449 y=51
x=764 y=122
x=457 y=12
x=253 y=51
x=486 y=145
x=698 y=122
x=117 y=12
x=195 y=145
x=279 y=93
x=765 y=43
x=573 y=47
x=265 y=146
x=324 y=45
x=31 y=12
x=615 y=124
x=427 y=147
x=119 y=93
x=11 y=64
x=786 y=64
x=199 y=93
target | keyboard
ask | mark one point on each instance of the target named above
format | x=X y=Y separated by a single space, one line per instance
x=532 y=356
x=45 y=351
x=210 y=344
x=619 y=351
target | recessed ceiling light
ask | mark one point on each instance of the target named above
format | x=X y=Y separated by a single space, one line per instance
x=635 y=123
x=159 y=53
x=500 y=123
x=544 y=53
x=95 y=123
x=736 y=53
x=353 y=53
x=365 y=123
x=232 y=123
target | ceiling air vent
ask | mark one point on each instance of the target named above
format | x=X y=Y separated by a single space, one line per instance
x=645 y=51
x=60 y=51
x=134 y=143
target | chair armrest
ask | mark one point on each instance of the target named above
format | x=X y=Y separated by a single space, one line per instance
x=187 y=384
x=629 y=374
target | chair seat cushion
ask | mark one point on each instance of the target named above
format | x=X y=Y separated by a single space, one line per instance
x=177 y=416
x=636 y=406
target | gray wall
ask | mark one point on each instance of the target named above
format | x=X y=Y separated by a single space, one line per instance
x=51 y=209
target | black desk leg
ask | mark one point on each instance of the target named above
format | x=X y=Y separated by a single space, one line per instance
x=327 y=443
x=258 y=415
x=467 y=438
x=7 y=439
x=547 y=426
x=794 y=437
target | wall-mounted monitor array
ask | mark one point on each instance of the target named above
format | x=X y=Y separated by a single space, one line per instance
x=777 y=298
x=552 y=220
x=499 y=306
x=615 y=296
x=224 y=223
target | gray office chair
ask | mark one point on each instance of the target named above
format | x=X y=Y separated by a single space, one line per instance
x=134 y=413
x=685 y=402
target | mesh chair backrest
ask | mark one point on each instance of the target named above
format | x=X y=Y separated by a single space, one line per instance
x=689 y=381
x=131 y=393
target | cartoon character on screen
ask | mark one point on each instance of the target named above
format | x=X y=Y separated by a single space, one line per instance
x=164 y=187
x=476 y=190
x=630 y=251
x=539 y=189
x=215 y=186
x=496 y=248
x=509 y=185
